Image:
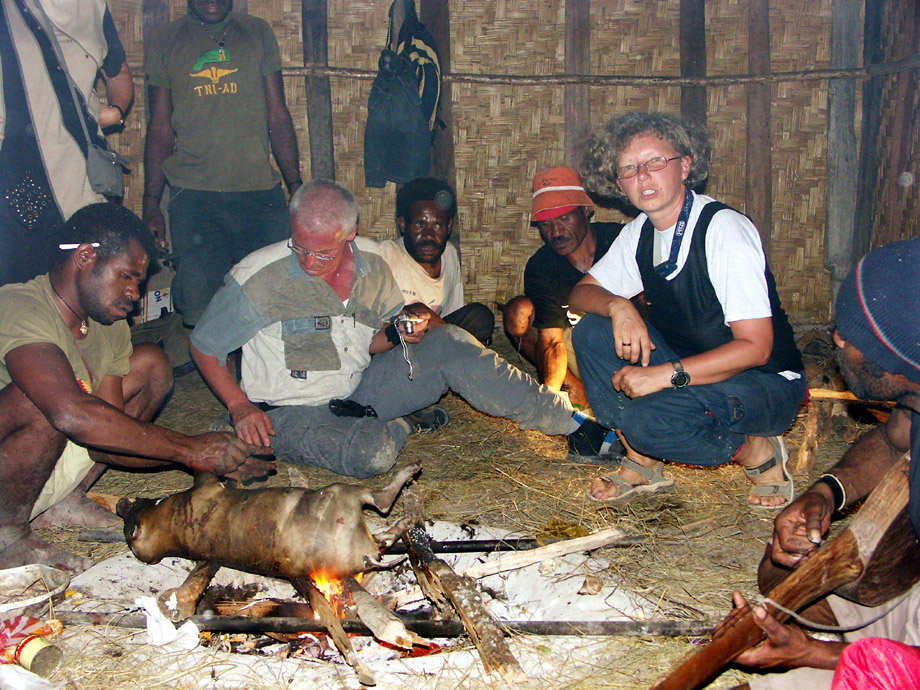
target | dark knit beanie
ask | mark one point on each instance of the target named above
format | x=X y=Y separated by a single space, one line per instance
x=878 y=308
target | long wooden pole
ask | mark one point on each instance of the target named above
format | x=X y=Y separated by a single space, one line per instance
x=868 y=176
x=577 y=61
x=842 y=158
x=693 y=99
x=759 y=170
x=435 y=15
x=319 y=92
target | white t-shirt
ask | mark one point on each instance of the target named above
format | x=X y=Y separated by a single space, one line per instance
x=442 y=295
x=734 y=257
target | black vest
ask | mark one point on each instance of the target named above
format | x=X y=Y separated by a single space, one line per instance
x=687 y=311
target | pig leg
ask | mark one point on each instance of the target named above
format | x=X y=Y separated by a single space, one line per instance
x=180 y=602
x=383 y=499
x=386 y=539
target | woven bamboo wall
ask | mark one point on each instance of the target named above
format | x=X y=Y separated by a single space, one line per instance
x=897 y=206
x=504 y=134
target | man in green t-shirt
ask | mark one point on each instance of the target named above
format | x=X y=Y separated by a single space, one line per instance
x=218 y=114
x=74 y=393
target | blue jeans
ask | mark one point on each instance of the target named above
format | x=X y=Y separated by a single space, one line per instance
x=212 y=231
x=696 y=425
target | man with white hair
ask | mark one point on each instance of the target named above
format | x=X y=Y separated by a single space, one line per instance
x=309 y=314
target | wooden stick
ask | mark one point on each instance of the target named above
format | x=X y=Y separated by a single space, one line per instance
x=846 y=396
x=383 y=624
x=467 y=601
x=307 y=588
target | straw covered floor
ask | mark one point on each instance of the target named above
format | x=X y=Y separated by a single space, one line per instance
x=702 y=539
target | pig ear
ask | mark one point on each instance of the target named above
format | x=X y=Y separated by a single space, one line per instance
x=124 y=505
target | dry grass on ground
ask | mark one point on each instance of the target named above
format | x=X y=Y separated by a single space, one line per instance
x=484 y=470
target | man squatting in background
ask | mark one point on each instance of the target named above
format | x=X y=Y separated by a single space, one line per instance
x=425 y=264
x=539 y=322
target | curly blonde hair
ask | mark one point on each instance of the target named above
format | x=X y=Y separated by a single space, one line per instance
x=603 y=148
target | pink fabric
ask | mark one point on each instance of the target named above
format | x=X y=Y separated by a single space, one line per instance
x=875 y=663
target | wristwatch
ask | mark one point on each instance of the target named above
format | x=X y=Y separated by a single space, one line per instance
x=680 y=378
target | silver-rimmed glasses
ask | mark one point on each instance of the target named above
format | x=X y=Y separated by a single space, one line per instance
x=319 y=256
x=651 y=165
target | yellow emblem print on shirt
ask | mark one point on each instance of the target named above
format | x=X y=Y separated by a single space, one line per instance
x=213 y=73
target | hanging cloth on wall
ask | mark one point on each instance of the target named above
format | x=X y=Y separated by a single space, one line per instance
x=403 y=104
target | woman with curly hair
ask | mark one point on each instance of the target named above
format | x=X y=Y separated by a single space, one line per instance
x=712 y=374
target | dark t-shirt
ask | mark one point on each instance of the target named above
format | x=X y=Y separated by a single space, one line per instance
x=549 y=278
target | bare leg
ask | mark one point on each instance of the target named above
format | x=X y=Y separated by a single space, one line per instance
x=29 y=450
x=143 y=391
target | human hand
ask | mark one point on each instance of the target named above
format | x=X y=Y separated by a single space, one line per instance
x=252 y=424
x=630 y=334
x=797 y=531
x=153 y=219
x=226 y=455
x=421 y=319
x=109 y=116
x=785 y=645
x=638 y=381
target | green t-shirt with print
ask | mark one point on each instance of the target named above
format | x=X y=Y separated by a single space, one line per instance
x=28 y=315
x=215 y=73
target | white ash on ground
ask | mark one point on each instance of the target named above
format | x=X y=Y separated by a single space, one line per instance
x=545 y=591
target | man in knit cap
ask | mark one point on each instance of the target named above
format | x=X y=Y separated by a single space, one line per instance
x=878 y=333
x=539 y=322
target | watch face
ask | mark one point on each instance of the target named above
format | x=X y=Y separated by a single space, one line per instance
x=679 y=379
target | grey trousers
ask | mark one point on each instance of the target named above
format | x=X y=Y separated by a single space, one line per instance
x=901 y=624
x=448 y=358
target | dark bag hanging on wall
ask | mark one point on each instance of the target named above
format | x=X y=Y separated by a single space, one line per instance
x=402 y=106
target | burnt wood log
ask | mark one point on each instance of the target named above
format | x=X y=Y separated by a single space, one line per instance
x=385 y=626
x=331 y=622
x=466 y=598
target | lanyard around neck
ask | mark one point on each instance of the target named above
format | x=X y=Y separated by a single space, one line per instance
x=668 y=267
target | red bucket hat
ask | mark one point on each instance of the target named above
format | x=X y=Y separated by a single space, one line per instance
x=556 y=191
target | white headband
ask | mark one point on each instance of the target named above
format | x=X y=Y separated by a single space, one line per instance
x=557 y=189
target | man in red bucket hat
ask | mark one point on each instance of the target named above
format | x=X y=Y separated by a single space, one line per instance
x=539 y=322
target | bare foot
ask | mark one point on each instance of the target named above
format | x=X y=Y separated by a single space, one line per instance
x=76 y=510
x=28 y=548
x=756 y=451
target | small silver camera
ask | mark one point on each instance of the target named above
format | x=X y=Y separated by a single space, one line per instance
x=407 y=321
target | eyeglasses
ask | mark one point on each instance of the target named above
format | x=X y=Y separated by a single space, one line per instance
x=652 y=165
x=319 y=256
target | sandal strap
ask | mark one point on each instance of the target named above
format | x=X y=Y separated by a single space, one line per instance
x=652 y=474
x=760 y=469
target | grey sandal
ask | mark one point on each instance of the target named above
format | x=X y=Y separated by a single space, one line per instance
x=785 y=488
x=656 y=477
